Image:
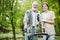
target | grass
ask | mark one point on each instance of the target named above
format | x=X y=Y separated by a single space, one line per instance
x=57 y=38
x=9 y=36
x=19 y=37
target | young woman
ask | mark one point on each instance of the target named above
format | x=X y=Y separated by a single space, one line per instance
x=48 y=22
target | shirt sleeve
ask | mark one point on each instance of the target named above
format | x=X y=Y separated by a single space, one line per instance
x=26 y=17
x=52 y=16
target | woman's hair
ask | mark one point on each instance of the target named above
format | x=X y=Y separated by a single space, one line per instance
x=46 y=4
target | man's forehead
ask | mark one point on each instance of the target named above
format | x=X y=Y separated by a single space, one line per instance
x=35 y=3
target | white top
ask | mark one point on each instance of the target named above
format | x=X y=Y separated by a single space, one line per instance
x=34 y=18
x=49 y=28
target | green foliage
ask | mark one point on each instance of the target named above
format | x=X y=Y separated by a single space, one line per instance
x=19 y=10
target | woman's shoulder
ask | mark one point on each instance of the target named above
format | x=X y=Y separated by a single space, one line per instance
x=42 y=12
x=51 y=11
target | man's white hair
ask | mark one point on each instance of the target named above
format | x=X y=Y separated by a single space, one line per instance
x=34 y=3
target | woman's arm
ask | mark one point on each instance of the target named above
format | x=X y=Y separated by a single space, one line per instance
x=50 y=21
x=43 y=27
x=25 y=21
x=52 y=18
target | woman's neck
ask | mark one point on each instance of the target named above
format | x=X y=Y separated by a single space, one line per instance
x=46 y=10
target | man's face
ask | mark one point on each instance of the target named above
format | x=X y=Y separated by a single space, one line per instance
x=35 y=6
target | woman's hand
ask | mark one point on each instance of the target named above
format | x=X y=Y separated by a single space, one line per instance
x=43 y=30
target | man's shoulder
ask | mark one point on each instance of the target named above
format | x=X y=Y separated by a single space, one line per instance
x=28 y=10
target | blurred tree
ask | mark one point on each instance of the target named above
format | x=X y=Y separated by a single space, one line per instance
x=12 y=13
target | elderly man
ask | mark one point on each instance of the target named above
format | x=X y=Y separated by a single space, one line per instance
x=31 y=22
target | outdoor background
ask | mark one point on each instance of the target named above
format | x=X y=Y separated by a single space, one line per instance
x=12 y=13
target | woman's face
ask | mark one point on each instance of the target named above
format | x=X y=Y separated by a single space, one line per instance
x=45 y=7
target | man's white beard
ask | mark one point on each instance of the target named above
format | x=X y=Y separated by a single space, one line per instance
x=34 y=9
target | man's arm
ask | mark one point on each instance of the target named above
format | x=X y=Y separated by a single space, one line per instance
x=25 y=26
x=25 y=21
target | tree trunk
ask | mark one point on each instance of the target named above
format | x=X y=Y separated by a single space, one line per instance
x=13 y=27
x=59 y=5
